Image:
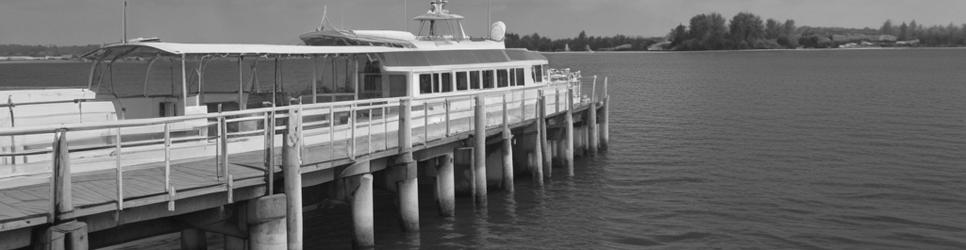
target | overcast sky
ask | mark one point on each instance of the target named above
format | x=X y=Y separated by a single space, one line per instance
x=68 y=22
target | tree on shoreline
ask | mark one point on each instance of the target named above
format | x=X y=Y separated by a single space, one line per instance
x=579 y=43
x=748 y=31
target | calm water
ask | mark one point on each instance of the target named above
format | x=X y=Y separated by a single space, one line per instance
x=780 y=149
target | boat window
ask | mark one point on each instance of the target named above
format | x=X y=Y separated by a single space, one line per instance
x=425 y=84
x=447 y=82
x=436 y=83
x=488 y=79
x=475 y=80
x=397 y=85
x=537 y=73
x=461 y=83
x=513 y=79
x=519 y=76
x=502 y=78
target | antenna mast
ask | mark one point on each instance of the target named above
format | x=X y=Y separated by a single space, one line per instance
x=489 y=16
x=405 y=15
x=124 y=23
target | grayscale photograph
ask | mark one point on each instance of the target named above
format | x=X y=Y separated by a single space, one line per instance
x=482 y=124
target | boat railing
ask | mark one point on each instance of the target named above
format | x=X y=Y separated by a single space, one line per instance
x=334 y=132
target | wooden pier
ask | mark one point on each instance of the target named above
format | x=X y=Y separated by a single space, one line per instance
x=244 y=175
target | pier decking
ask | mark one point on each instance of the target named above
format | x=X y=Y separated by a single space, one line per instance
x=210 y=180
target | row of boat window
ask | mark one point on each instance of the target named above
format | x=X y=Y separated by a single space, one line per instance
x=471 y=80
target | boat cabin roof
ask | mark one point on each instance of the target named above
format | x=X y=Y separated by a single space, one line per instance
x=392 y=58
x=148 y=49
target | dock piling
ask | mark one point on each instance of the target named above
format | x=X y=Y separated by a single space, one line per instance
x=541 y=144
x=292 y=162
x=479 y=159
x=547 y=157
x=363 y=220
x=507 y=150
x=61 y=193
x=266 y=223
x=592 y=135
x=408 y=188
x=605 y=121
x=446 y=186
x=569 y=126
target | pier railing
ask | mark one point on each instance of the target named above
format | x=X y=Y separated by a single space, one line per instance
x=332 y=132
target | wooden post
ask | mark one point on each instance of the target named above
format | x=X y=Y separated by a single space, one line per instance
x=167 y=157
x=193 y=239
x=352 y=129
x=241 y=86
x=62 y=198
x=266 y=222
x=270 y=152
x=405 y=132
x=537 y=170
x=592 y=140
x=119 y=172
x=292 y=162
x=523 y=105
x=446 y=186
x=556 y=101
x=479 y=164
x=223 y=135
x=363 y=220
x=569 y=126
x=605 y=123
x=507 y=150
x=547 y=156
x=408 y=188
x=447 y=108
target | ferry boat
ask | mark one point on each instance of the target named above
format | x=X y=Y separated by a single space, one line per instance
x=149 y=79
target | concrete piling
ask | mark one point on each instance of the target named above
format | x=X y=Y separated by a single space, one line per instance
x=363 y=220
x=291 y=164
x=266 y=223
x=409 y=200
x=446 y=187
x=408 y=187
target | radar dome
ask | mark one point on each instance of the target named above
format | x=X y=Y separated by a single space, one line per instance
x=498 y=31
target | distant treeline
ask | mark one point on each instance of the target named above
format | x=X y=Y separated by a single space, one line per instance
x=748 y=31
x=580 y=43
x=44 y=50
